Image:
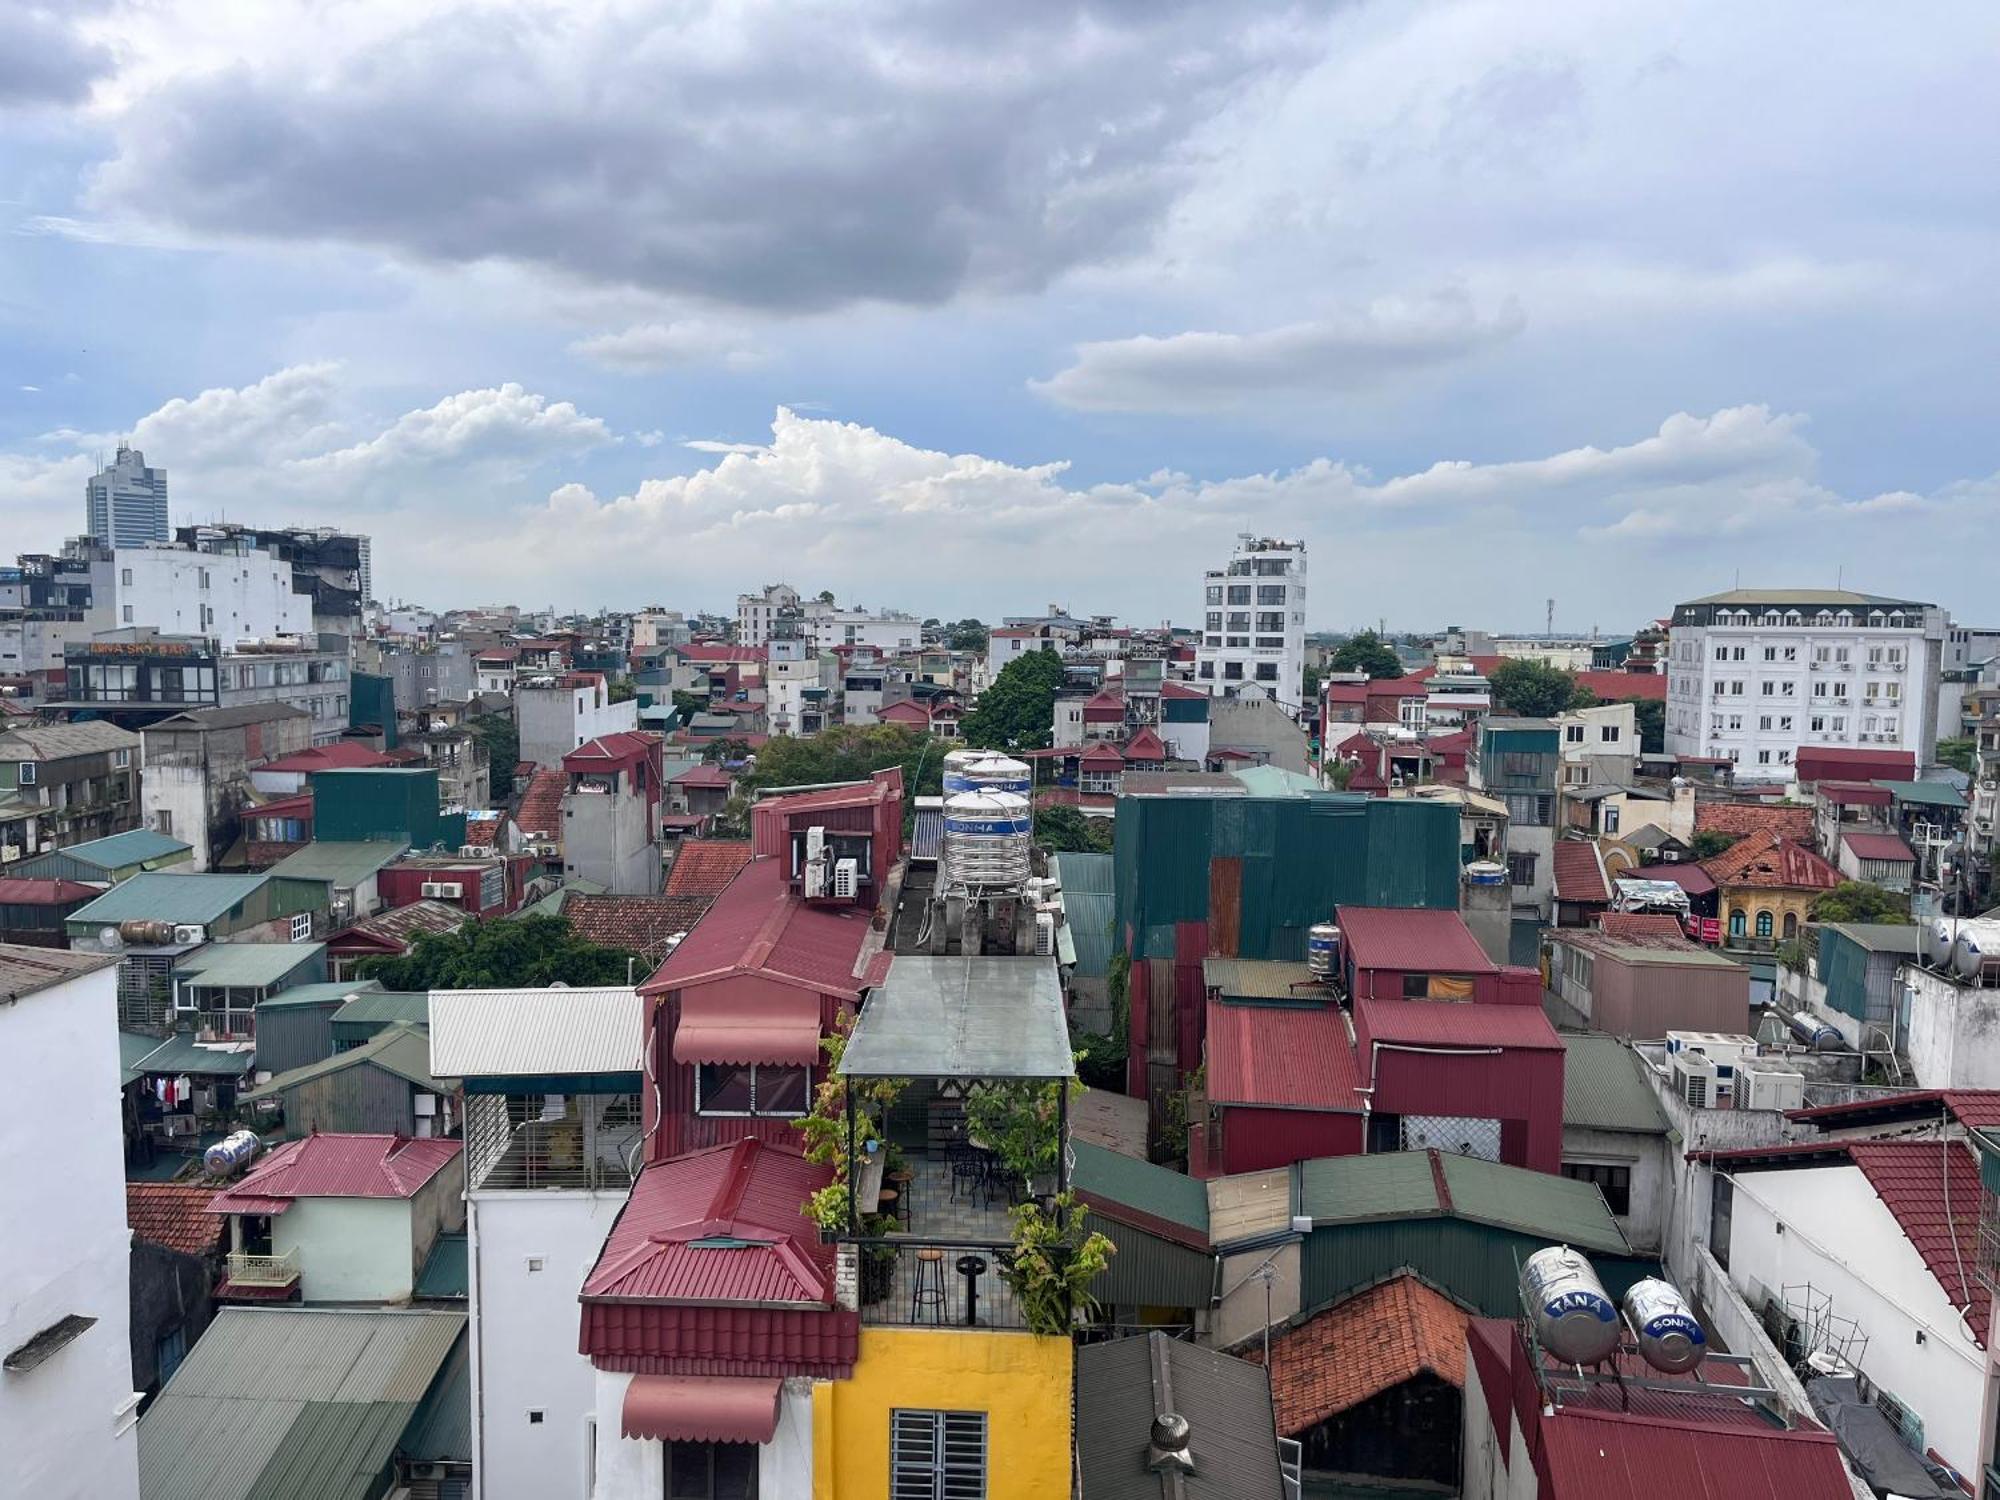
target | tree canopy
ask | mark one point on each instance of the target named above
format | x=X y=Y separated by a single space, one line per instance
x=1536 y=690
x=513 y=953
x=503 y=749
x=1709 y=842
x=1064 y=830
x=1958 y=754
x=851 y=752
x=1651 y=716
x=966 y=635
x=1366 y=652
x=1857 y=901
x=1018 y=711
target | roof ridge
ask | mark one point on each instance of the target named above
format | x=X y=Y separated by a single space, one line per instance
x=1440 y=1182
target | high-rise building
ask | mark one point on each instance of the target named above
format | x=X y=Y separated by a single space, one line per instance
x=1754 y=674
x=756 y=614
x=125 y=503
x=1253 y=637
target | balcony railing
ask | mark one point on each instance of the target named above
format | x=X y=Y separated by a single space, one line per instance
x=934 y=1284
x=551 y=1141
x=247 y=1268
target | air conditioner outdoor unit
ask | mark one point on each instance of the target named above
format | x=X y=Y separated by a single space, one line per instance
x=815 y=879
x=1695 y=1079
x=1045 y=934
x=815 y=843
x=9 y=853
x=429 y=1471
x=190 y=932
x=1766 y=1086
x=451 y=890
x=846 y=879
x=475 y=851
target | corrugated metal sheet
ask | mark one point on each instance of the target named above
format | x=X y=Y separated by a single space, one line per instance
x=341 y=863
x=1428 y=1023
x=1536 y=1203
x=1227 y=1401
x=1282 y=1056
x=164 y=897
x=136 y=846
x=538 y=1032
x=1603 y=1088
x=295 y=1035
x=1248 y=1205
x=1352 y=1188
x=252 y=965
x=1476 y=1263
x=1149 y=1271
x=1259 y=979
x=1115 y=1181
x=1417 y=941
x=341 y=1166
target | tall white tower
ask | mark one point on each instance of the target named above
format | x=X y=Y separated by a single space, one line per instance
x=1253 y=637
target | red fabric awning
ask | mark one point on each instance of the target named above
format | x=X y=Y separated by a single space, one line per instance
x=780 y=1027
x=701 y=1408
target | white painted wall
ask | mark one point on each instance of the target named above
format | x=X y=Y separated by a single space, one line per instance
x=68 y=1426
x=232 y=598
x=350 y=1249
x=635 y=1469
x=524 y=1328
x=554 y=720
x=1484 y=1448
x=1954 y=1032
x=1837 y=1234
x=181 y=793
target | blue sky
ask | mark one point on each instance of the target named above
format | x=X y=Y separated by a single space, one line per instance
x=975 y=308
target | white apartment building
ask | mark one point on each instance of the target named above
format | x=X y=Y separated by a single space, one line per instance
x=125 y=502
x=68 y=1412
x=558 y=711
x=756 y=614
x=1754 y=674
x=552 y=1136
x=798 y=687
x=241 y=596
x=1253 y=639
x=891 y=633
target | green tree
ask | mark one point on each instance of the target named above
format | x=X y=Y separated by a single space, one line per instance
x=687 y=705
x=717 y=752
x=1367 y=652
x=1857 y=901
x=851 y=752
x=621 y=690
x=1018 y=711
x=825 y=596
x=1651 y=716
x=1709 y=842
x=1957 y=754
x=1310 y=689
x=1064 y=830
x=503 y=749
x=513 y=953
x=1534 y=689
x=966 y=635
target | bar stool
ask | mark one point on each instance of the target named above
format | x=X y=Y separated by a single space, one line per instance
x=904 y=1182
x=890 y=1202
x=927 y=1295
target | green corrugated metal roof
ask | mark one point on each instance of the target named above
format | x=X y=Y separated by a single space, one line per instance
x=1148 y=1271
x=1160 y=1192
x=161 y=896
x=292 y=1403
x=133 y=847
x=339 y=864
x=132 y=1049
x=1925 y=793
x=1603 y=1089
x=380 y=1007
x=1537 y=1203
x=402 y=1050
x=441 y=1432
x=1083 y=872
x=1090 y=917
x=446 y=1271
x=1879 y=937
x=1275 y=781
x=1260 y=979
x=245 y=965
x=180 y=1053
x=335 y=993
x=1347 y=1189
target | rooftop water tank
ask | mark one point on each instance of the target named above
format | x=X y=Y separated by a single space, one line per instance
x=1322 y=949
x=986 y=840
x=1670 y=1336
x=1573 y=1317
x=1976 y=950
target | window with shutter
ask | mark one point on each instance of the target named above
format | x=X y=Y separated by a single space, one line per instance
x=937 y=1455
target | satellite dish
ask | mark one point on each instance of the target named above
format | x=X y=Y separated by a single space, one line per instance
x=109 y=940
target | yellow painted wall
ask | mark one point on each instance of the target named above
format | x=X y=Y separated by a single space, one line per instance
x=1777 y=900
x=1021 y=1382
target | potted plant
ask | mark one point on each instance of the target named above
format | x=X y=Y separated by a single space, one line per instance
x=826 y=1130
x=1053 y=1263
x=1020 y=1122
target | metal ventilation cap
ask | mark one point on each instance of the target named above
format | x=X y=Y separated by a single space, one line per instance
x=1168 y=1448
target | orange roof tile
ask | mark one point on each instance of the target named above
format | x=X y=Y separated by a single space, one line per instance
x=1744 y=818
x=1766 y=861
x=703 y=867
x=173 y=1214
x=1339 y=1357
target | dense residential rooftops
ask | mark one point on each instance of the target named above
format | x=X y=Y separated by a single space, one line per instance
x=758 y=926
x=540 y=812
x=340 y=755
x=54 y=891
x=1925 y=793
x=1887 y=848
x=1579 y=872
x=640 y=924
x=402 y=925
x=336 y=1166
x=1455 y=1024
x=339 y=863
x=1138 y=1192
x=1975 y=1109
x=1740 y=819
x=42 y=742
x=1644 y=947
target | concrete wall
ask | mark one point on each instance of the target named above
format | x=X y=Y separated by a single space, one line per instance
x=1645 y=1157
x=1020 y=1380
x=438 y=1208
x=1954 y=1032
x=1837 y=1236
x=182 y=795
x=524 y=1331
x=554 y=720
x=232 y=598
x=67 y=1426
x=349 y=1249
x=606 y=838
x=169 y=1291
x=1485 y=1449
x=635 y=1468
x=1258 y=724
x=1242 y=1309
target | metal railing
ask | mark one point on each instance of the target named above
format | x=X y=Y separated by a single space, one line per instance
x=552 y=1140
x=247 y=1268
x=924 y=1283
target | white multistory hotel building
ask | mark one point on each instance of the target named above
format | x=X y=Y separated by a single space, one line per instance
x=1253 y=638
x=1754 y=674
x=757 y=614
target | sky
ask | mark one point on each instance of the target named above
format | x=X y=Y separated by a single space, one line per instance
x=973 y=308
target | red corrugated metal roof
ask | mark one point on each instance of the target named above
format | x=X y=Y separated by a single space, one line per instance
x=860 y=794
x=1445 y=1023
x=341 y=755
x=757 y=926
x=1883 y=846
x=24 y=891
x=1282 y=1057
x=1916 y=1180
x=1145 y=745
x=704 y=867
x=616 y=746
x=1102 y=754
x=705 y=774
x=1854 y=793
x=1605 y=1456
x=1689 y=877
x=723 y=1225
x=173 y=1214
x=1614 y=687
x=1814 y=763
x=337 y=1166
x=1435 y=942
x=1579 y=876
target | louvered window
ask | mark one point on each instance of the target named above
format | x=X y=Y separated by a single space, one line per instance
x=937 y=1455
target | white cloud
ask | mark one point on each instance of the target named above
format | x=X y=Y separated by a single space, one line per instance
x=647 y=347
x=1345 y=352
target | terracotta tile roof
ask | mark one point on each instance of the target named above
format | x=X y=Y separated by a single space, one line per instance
x=1338 y=1358
x=173 y=1214
x=1640 y=924
x=705 y=774
x=404 y=924
x=1769 y=862
x=1916 y=1180
x=485 y=827
x=757 y=926
x=1287 y=1056
x=1976 y=1109
x=337 y=1166
x=540 y=813
x=1579 y=875
x=704 y=867
x=617 y=745
x=639 y=924
x=1740 y=819
x=1614 y=687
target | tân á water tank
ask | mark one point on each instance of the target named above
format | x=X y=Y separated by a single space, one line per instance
x=1814 y=1032
x=1670 y=1336
x=1976 y=950
x=1322 y=949
x=1574 y=1319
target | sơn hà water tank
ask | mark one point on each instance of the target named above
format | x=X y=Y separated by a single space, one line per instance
x=1670 y=1336
x=986 y=841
